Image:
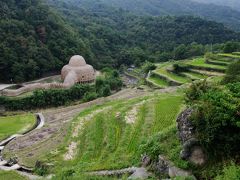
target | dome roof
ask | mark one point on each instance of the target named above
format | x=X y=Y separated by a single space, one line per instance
x=77 y=60
x=77 y=71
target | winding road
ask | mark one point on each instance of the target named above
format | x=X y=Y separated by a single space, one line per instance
x=11 y=165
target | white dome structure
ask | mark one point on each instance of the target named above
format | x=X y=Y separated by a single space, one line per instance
x=77 y=71
x=77 y=60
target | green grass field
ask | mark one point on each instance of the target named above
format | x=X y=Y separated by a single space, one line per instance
x=107 y=141
x=171 y=76
x=18 y=124
x=200 y=62
x=235 y=55
x=10 y=175
x=194 y=75
x=159 y=82
x=196 y=69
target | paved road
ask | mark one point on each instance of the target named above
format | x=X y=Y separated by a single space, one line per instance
x=4 y=86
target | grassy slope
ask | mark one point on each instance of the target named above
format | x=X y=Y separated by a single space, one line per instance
x=200 y=62
x=18 y=124
x=186 y=77
x=108 y=142
x=174 y=77
x=11 y=175
x=159 y=82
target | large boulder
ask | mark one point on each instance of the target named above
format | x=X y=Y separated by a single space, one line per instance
x=192 y=150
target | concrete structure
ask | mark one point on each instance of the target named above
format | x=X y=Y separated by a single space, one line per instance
x=77 y=71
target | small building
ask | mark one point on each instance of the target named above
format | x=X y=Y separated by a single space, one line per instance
x=77 y=71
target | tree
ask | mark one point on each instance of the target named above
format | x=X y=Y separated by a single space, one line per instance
x=233 y=73
x=231 y=47
x=180 y=52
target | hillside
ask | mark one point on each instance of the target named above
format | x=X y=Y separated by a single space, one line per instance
x=137 y=38
x=112 y=137
x=38 y=38
x=218 y=13
x=235 y=4
x=34 y=40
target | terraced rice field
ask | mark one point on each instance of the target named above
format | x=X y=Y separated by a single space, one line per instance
x=110 y=136
x=233 y=55
x=200 y=62
x=17 y=124
x=195 y=69
x=7 y=175
x=158 y=82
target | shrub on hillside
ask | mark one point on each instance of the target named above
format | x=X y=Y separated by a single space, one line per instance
x=231 y=172
x=233 y=73
x=230 y=47
x=59 y=97
x=195 y=91
x=148 y=66
x=177 y=68
x=217 y=117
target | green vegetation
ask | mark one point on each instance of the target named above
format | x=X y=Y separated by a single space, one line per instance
x=231 y=172
x=17 y=124
x=158 y=81
x=222 y=13
x=233 y=73
x=47 y=33
x=230 y=47
x=110 y=81
x=216 y=117
x=174 y=73
x=200 y=62
x=112 y=138
x=4 y=175
x=172 y=76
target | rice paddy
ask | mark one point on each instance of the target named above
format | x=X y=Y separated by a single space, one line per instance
x=195 y=69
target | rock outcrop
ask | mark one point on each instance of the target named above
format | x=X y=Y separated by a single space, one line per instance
x=165 y=167
x=192 y=150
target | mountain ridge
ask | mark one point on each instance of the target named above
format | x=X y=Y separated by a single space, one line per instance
x=218 y=13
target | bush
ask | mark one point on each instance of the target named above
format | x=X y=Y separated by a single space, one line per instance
x=148 y=66
x=47 y=98
x=217 y=118
x=89 y=96
x=59 y=97
x=230 y=47
x=179 y=68
x=196 y=90
x=233 y=73
x=231 y=172
x=41 y=169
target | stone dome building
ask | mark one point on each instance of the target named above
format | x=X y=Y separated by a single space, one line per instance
x=77 y=71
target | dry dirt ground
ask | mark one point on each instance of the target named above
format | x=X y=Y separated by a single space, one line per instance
x=35 y=145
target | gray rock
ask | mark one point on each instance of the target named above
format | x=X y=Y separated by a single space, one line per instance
x=146 y=160
x=192 y=151
x=198 y=156
x=174 y=172
x=140 y=173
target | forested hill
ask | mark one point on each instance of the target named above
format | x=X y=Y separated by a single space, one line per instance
x=222 y=14
x=33 y=40
x=38 y=37
x=235 y=4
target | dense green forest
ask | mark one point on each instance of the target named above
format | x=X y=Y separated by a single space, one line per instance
x=218 y=12
x=38 y=38
x=34 y=40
